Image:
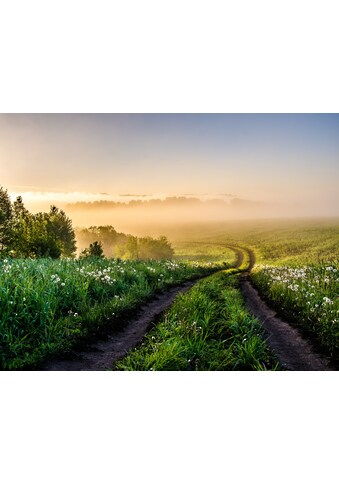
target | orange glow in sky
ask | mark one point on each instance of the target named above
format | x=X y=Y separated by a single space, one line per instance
x=290 y=160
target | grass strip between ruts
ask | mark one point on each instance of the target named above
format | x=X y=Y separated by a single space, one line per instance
x=207 y=328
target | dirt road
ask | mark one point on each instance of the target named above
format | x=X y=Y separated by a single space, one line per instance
x=102 y=353
x=291 y=348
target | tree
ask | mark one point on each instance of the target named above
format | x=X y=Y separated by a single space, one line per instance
x=6 y=220
x=144 y=248
x=43 y=242
x=107 y=235
x=45 y=234
x=42 y=234
x=93 y=251
x=21 y=229
x=150 y=248
x=59 y=228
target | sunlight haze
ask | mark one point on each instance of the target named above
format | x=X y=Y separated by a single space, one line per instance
x=288 y=164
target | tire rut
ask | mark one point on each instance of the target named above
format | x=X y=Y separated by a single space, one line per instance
x=103 y=353
x=293 y=351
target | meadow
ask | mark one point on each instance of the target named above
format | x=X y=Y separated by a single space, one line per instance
x=293 y=242
x=49 y=307
x=206 y=329
x=46 y=305
x=296 y=271
x=307 y=296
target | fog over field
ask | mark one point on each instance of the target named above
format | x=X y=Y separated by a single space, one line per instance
x=156 y=216
x=144 y=170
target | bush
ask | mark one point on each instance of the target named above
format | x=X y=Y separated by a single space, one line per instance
x=93 y=251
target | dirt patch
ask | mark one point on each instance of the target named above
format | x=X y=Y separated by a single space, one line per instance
x=239 y=256
x=101 y=354
x=292 y=350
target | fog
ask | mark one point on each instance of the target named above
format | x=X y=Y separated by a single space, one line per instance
x=163 y=218
x=152 y=215
x=224 y=167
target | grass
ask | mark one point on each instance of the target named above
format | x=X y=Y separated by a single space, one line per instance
x=296 y=270
x=47 y=306
x=275 y=242
x=204 y=253
x=207 y=328
x=308 y=296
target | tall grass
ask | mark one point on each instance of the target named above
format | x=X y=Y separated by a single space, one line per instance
x=46 y=305
x=307 y=296
x=295 y=281
x=206 y=329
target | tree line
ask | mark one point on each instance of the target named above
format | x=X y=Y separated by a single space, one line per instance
x=51 y=234
x=107 y=241
x=27 y=235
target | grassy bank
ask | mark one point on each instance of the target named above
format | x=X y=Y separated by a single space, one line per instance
x=307 y=296
x=47 y=306
x=207 y=328
x=296 y=270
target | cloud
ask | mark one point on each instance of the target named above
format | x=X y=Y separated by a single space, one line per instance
x=135 y=195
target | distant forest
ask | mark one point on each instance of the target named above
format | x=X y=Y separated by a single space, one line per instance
x=51 y=235
x=119 y=245
x=166 y=203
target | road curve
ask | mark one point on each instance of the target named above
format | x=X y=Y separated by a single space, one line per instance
x=292 y=350
x=102 y=353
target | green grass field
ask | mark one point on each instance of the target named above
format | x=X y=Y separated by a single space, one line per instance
x=296 y=270
x=276 y=242
x=308 y=296
x=47 y=305
x=206 y=329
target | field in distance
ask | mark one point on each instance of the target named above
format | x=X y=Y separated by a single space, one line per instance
x=50 y=306
x=296 y=269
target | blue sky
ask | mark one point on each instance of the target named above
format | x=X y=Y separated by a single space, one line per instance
x=258 y=156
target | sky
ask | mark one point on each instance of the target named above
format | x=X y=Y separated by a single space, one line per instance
x=288 y=159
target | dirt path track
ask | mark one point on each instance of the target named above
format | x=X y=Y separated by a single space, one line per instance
x=101 y=354
x=291 y=348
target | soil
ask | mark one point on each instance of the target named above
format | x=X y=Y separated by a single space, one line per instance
x=293 y=351
x=101 y=354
